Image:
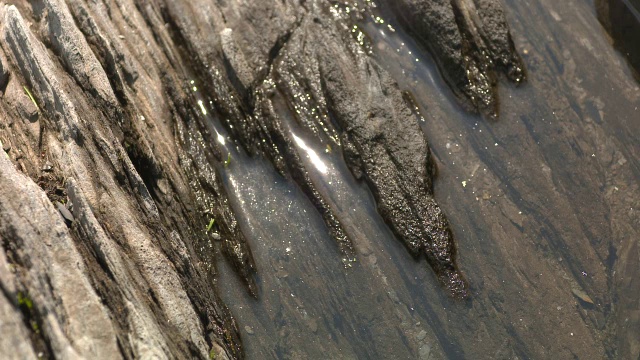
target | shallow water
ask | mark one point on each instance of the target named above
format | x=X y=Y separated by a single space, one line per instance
x=543 y=205
x=310 y=304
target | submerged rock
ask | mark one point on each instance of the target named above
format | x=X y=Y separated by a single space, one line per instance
x=470 y=41
x=379 y=131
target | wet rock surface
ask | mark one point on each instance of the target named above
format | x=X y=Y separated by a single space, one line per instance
x=471 y=43
x=622 y=20
x=143 y=141
x=305 y=92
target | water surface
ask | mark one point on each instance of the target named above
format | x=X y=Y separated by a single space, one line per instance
x=543 y=205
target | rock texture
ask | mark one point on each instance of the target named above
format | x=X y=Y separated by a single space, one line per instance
x=120 y=120
x=622 y=20
x=302 y=87
x=101 y=109
x=470 y=41
x=122 y=263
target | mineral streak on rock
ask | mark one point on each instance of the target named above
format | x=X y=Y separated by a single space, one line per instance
x=469 y=40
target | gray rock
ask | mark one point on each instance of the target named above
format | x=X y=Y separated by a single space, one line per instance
x=14 y=343
x=55 y=284
x=66 y=214
x=69 y=43
x=143 y=292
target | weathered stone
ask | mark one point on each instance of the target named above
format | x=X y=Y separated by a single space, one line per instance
x=132 y=110
x=64 y=309
x=469 y=39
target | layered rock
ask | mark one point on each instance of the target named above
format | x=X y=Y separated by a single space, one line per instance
x=471 y=43
x=110 y=117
